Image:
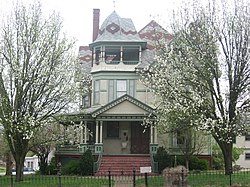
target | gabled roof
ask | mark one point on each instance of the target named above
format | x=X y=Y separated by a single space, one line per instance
x=153 y=33
x=120 y=100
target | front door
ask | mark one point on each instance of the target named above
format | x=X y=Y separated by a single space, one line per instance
x=139 y=138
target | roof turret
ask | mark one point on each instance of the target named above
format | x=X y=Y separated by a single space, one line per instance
x=117 y=29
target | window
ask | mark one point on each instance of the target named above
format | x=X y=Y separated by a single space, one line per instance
x=247 y=137
x=121 y=88
x=178 y=139
x=112 y=129
x=97 y=55
x=112 y=54
x=117 y=88
x=131 y=87
x=96 y=92
x=130 y=54
x=86 y=101
x=247 y=156
x=31 y=165
x=111 y=90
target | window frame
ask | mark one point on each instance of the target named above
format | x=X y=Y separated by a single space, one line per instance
x=247 y=156
x=97 y=92
x=113 y=129
x=121 y=89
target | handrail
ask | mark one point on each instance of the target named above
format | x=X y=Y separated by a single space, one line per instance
x=97 y=163
x=154 y=164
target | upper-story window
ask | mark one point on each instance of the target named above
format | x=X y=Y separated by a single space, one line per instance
x=131 y=54
x=97 y=55
x=86 y=101
x=96 y=91
x=121 y=88
x=118 y=88
x=112 y=54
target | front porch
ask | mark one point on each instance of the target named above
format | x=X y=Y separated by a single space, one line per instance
x=114 y=129
x=112 y=138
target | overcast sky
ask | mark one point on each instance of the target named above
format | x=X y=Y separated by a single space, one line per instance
x=77 y=14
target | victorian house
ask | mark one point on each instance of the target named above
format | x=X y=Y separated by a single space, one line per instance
x=110 y=120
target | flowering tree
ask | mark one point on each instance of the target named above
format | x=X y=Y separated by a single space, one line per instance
x=36 y=77
x=44 y=142
x=202 y=77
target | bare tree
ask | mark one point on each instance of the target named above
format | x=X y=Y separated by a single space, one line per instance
x=36 y=77
x=204 y=73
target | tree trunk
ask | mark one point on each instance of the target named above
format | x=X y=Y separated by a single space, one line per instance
x=227 y=149
x=43 y=163
x=19 y=159
x=9 y=163
x=187 y=163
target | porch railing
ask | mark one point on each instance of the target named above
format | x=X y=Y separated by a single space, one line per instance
x=67 y=149
x=154 y=164
x=97 y=163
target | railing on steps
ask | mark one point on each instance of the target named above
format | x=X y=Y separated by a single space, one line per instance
x=154 y=164
x=97 y=163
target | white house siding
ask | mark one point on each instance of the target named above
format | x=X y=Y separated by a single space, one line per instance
x=242 y=143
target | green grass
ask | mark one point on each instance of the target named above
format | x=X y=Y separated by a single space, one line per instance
x=53 y=181
x=2 y=169
x=211 y=179
x=219 y=179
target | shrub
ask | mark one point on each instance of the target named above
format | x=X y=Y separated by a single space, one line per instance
x=87 y=163
x=163 y=158
x=198 y=164
x=52 y=167
x=71 y=168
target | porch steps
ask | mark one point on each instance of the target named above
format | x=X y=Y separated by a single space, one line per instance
x=123 y=165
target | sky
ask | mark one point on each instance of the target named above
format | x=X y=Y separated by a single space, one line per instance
x=78 y=14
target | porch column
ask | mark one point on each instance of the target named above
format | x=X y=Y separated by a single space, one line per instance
x=81 y=134
x=97 y=132
x=155 y=135
x=101 y=131
x=151 y=134
x=85 y=132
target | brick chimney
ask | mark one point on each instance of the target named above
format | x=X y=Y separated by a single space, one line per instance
x=96 y=16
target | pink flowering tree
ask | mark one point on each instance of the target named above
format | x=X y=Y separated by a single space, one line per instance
x=202 y=77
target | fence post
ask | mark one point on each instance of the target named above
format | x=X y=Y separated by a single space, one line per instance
x=134 y=183
x=146 y=179
x=230 y=176
x=59 y=174
x=182 y=176
x=11 y=180
x=109 y=176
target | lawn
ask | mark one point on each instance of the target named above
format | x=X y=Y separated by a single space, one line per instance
x=212 y=179
x=54 y=181
x=219 y=179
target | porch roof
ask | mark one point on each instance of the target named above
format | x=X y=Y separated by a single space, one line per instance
x=147 y=109
x=92 y=113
